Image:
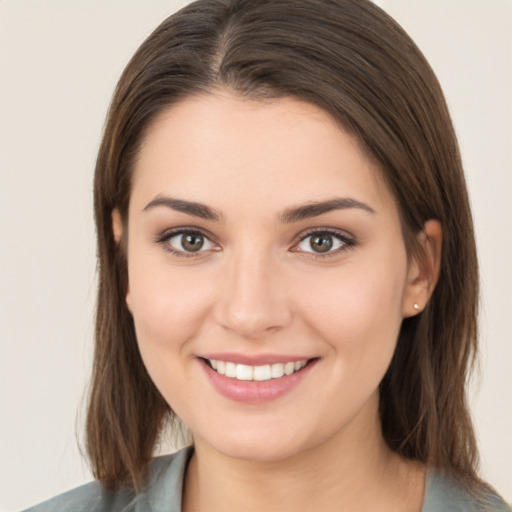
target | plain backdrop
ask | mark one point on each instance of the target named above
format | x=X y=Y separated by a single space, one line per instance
x=59 y=62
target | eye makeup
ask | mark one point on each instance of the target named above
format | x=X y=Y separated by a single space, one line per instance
x=193 y=242
x=318 y=242
x=324 y=242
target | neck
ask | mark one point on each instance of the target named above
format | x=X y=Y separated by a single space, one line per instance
x=352 y=470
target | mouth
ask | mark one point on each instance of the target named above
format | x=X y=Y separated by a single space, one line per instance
x=261 y=373
x=267 y=378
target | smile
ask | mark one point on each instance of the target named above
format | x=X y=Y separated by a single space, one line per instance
x=256 y=373
x=268 y=378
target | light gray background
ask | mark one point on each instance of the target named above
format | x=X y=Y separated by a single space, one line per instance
x=59 y=62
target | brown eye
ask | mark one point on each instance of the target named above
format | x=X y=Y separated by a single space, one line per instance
x=192 y=242
x=324 y=243
x=187 y=242
x=321 y=243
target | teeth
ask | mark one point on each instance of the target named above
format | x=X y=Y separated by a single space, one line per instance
x=230 y=370
x=243 y=372
x=262 y=372
x=258 y=373
x=277 y=370
x=289 y=368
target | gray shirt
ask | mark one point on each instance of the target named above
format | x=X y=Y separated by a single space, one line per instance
x=164 y=491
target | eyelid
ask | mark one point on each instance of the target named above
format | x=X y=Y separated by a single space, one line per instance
x=348 y=240
x=165 y=236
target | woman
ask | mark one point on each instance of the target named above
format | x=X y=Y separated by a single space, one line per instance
x=287 y=263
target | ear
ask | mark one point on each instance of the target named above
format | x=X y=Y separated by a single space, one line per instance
x=117 y=230
x=424 y=268
x=117 y=225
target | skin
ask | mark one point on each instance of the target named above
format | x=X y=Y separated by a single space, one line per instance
x=257 y=286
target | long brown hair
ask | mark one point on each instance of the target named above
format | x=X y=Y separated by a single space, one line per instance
x=351 y=59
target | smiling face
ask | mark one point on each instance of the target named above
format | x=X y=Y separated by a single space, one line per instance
x=260 y=235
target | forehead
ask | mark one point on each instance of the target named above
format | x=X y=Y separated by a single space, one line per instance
x=219 y=147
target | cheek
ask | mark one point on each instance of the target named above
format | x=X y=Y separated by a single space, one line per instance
x=166 y=305
x=168 y=309
x=358 y=310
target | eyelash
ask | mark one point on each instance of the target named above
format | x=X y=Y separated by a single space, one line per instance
x=166 y=236
x=347 y=241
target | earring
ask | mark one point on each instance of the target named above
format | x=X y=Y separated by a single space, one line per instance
x=416 y=307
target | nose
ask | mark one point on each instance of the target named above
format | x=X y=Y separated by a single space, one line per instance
x=254 y=298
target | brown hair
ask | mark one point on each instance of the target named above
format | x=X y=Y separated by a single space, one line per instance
x=351 y=59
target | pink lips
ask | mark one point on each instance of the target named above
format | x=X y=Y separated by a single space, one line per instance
x=254 y=360
x=255 y=392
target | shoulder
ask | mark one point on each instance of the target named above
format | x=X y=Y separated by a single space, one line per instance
x=443 y=493
x=164 y=489
x=89 y=497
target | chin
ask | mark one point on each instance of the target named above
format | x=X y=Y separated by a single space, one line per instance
x=260 y=445
x=259 y=451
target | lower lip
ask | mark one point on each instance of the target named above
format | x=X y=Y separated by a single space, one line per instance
x=255 y=392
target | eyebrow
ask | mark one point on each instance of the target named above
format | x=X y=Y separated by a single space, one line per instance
x=189 y=207
x=290 y=215
x=318 y=208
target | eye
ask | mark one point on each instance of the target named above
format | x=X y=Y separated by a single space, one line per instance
x=186 y=242
x=324 y=243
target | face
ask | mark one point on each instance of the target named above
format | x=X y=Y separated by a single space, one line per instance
x=268 y=277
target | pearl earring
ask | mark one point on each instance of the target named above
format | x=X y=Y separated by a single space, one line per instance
x=416 y=307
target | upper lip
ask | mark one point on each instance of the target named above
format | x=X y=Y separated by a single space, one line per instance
x=256 y=360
